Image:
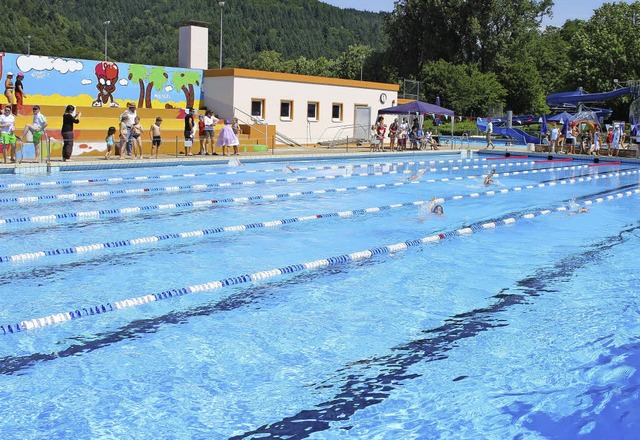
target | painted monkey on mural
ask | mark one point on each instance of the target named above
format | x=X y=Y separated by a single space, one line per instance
x=107 y=76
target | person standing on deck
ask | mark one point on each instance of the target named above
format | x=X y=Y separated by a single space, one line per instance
x=488 y=134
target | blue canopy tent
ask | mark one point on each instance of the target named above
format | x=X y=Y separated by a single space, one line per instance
x=415 y=107
x=418 y=108
x=560 y=117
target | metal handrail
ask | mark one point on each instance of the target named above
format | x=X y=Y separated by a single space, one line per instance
x=254 y=121
x=465 y=136
x=341 y=128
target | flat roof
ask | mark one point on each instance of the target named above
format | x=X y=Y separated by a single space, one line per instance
x=293 y=77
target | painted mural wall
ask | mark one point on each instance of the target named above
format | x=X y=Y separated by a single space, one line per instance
x=91 y=83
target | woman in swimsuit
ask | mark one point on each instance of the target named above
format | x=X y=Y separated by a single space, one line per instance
x=136 y=131
x=8 y=89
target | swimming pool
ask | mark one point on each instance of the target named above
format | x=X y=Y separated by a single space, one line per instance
x=254 y=302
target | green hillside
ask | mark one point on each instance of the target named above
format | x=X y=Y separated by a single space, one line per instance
x=146 y=31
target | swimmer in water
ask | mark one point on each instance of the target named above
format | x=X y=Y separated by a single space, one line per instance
x=580 y=211
x=417 y=175
x=487 y=180
x=435 y=209
x=293 y=170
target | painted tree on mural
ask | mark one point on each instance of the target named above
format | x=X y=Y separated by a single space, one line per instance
x=157 y=78
x=185 y=82
x=138 y=72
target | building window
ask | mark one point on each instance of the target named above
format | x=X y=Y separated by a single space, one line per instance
x=336 y=112
x=257 y=108
x=286 y=110
x=313 y=111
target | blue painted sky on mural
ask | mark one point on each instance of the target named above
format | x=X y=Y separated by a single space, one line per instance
x=78 y=77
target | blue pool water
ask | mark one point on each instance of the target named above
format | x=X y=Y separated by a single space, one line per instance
x=515 y=318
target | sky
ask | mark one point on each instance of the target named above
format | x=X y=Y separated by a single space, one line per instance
x=562 y=10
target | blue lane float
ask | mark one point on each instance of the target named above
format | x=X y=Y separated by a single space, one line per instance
x=274 y=223
x=78 y=313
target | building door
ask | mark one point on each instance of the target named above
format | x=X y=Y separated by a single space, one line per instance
x=362 y=122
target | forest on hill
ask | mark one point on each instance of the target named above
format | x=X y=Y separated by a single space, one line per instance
x=146 y=31
x=480 y=57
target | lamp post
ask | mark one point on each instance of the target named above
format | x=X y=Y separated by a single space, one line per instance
x=221 y=4
x=28 y=45
x=106 y=26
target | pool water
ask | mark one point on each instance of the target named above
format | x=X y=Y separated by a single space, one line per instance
x=516 y=317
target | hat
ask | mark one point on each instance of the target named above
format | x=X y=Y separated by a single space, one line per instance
x=9 y=73
x=227 y=121
x=131 y=104
x=20 y=75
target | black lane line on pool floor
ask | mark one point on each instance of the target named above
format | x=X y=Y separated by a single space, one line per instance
x=353 y=395
x=252 y=295
x=359 y=391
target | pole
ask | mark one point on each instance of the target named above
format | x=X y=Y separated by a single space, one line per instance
x=28 y=45
x=106 y=26
x=221 y=4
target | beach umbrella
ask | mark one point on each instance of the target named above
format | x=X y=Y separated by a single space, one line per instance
x=543 y=128
x=634 y=127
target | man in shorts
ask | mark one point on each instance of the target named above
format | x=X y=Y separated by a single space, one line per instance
x=36 y=128
x=7 y=138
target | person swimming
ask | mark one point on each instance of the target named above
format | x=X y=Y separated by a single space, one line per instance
x=417 y=175
x=487 y=180
x=434 y=208
x=582 y=210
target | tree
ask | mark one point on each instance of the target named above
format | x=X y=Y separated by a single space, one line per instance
x=463 y=31
x=157 y=77
x=138 y=73
x=351 y=61
x=607 y=46
x=604 y=48
x=462 y=87
x=185 y=81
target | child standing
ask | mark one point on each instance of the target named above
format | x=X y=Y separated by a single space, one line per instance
x=156 y=139
x=201 y=134
x=111 y=142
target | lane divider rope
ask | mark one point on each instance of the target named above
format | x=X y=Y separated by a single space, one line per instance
x=197 y=187
x=48 y=218
x=23 y=185
x=116 y=244
x=99 y=309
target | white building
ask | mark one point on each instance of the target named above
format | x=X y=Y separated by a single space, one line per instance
x=303 y=109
